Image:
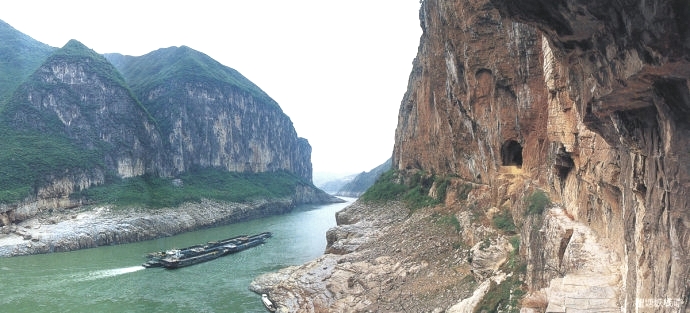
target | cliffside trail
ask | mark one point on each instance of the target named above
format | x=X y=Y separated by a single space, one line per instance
x=569 y=121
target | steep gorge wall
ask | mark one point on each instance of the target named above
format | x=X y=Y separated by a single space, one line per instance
x=77 y=98
x=595 y=95
x=210 y=115
x=93 y=111
x=471 y=90
x=77 y=121
x=224 y=127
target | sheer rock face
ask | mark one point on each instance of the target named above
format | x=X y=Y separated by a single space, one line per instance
x=199 y=114
x=591 y=99
x=92 y=110
x=221 y=126
x=209 y=115
x=471 y=90
x=77 y=94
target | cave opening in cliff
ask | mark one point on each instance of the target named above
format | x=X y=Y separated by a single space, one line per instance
x=511 y=153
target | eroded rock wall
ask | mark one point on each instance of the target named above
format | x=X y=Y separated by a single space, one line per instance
x=215 y=125
x=590 y=99
x=93 y=109
x=471 y=90
x=177 y=112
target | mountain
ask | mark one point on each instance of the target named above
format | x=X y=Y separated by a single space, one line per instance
x=209 y=115
x=360 y=183
x=83 y=127
x=333 y=184
x=79 y=102
x=20 y=55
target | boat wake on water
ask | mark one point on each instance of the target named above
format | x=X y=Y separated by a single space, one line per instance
x=108 y=273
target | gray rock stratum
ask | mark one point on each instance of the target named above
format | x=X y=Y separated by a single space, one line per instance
x=102 y=226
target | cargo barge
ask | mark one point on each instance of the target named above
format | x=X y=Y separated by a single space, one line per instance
x=196 y=254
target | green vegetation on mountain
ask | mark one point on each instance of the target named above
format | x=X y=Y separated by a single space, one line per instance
x=30 y=159
x=387 y=187
x=73 y=114
x=74 y=52
x=181 y=64
x=37 y=146
x=170 y=71
x=414 y=191
x=20 y=55
x=210 y=183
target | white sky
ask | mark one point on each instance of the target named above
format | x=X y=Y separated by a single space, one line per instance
x=338 y=69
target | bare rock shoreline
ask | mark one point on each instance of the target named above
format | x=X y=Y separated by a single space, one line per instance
x=328 y=283
x=91 y=227
x=380 y=258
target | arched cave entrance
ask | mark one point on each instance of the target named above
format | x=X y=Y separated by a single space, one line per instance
x=511 y=153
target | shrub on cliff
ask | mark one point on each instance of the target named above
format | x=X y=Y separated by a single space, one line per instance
x=386 y=188
x=504 y=221
x=537 y=202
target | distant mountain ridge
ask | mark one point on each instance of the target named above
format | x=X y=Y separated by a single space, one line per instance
x=354 y=185
x=360 y=183
x=73 y=119
x=334 y=182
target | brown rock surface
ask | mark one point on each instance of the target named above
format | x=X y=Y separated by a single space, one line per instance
x=586 y=100
x=595 y=93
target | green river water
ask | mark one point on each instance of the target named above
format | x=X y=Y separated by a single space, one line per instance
x=110 y=279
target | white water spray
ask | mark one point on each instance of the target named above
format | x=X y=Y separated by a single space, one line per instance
x=109 y=273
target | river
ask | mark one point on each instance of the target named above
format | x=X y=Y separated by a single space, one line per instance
x=111 y=279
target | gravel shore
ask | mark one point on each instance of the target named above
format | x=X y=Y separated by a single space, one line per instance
x=90 y=227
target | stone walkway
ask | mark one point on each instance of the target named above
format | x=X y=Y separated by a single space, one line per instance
x=592 y=279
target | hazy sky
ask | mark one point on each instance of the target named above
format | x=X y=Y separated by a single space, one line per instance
x=339 y=69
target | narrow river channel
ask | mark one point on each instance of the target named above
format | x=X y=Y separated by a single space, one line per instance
x=110 y=279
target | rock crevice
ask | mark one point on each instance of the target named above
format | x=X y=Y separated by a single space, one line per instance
x=595 y=96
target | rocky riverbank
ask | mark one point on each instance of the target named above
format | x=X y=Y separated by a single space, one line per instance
x=380 y=258
x=88 y=227
x=462 y=256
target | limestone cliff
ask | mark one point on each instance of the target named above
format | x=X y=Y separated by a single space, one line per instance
x=78 y=96
x=212 y=116
x=590 y=101
x=81 y=119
